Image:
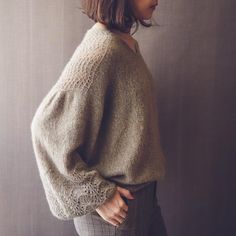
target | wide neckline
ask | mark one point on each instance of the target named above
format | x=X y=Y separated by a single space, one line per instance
x=119 y=39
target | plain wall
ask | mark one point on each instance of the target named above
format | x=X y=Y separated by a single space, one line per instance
x=192 y=57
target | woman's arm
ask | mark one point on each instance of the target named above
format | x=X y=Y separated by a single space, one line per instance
x=66 y=121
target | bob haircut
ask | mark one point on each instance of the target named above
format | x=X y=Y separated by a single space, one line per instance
x=115 y=14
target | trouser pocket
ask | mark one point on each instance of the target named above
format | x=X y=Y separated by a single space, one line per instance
x=154 y=191
x=125 y=200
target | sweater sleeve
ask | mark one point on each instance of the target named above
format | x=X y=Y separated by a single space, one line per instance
x=63 y=123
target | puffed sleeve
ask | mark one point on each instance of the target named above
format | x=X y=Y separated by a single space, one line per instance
x=63 y=123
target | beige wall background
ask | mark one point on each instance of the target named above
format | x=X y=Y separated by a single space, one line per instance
x=193 y=59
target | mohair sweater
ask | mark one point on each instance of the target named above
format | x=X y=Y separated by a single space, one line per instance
x=97 y=127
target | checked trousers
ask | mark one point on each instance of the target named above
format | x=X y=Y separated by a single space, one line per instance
x=144 y=217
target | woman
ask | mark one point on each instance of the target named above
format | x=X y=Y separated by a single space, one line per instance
x=96 y=135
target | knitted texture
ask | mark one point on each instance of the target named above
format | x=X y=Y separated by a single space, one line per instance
x=97 y=127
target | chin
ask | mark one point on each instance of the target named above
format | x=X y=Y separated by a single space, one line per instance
x=146 y=17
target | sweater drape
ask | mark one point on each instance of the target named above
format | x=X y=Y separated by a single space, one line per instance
x=97 y=127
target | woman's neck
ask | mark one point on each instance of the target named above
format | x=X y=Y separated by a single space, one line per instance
x=126 y=37
x=122 y=34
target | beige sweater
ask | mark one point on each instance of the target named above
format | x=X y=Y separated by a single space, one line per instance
x=97 y=127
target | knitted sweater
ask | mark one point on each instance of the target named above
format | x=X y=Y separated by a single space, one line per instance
x=97 y=127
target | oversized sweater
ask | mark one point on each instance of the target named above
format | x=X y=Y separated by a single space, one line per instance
x=97 y=127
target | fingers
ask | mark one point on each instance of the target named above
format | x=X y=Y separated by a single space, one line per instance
x=113 y=222
x=106 y=214
x=117 y=217
x=112 y=216
x=120 y=210
x=125 y=192
x=115 y=210
x=120 y=214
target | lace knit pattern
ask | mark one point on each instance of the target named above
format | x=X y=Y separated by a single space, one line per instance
x=81 y=69
x=97 y=127
x=69 y=200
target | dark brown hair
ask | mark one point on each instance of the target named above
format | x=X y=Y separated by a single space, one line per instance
x=116 y=14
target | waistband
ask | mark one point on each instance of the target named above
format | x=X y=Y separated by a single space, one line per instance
x=137 y=187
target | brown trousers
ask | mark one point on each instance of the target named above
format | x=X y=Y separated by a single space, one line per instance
x=144 y=217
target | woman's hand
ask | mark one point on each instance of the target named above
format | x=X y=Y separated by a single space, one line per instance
x=115 y=209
